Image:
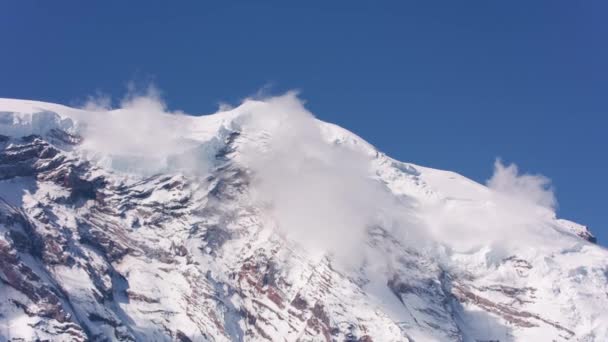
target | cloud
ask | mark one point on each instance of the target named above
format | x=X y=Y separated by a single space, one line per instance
x=318 y=190
x=321 y=194
x=516 y=213
x=535 y=189
x=141 y=136
x=98 y=102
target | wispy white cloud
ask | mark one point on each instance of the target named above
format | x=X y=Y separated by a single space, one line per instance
x=321 y=194
x=535 y=189
x=140 y=136
x=515 y=213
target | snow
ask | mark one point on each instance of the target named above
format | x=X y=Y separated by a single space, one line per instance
x=434 y=223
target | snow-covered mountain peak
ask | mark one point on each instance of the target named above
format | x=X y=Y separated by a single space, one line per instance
x=263 y=223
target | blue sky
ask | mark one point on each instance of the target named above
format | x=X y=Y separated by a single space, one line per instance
x=450 y=84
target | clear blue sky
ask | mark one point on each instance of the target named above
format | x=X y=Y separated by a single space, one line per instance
x=450 y=84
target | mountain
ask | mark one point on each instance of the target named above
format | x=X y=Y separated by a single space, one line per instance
x=262 y=223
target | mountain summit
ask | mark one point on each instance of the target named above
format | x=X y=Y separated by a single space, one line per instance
x=263 y=223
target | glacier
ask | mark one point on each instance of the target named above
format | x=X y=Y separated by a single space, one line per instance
x=263 y=223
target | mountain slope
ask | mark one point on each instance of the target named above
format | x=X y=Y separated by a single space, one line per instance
x=262 y=223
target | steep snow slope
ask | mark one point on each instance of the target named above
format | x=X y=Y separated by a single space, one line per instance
x=261 y=223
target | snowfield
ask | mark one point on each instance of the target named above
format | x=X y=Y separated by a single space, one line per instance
x=262 y=223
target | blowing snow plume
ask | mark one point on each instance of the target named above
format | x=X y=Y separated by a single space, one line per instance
x=532 y=189
x=514 y=212
x=322 y=194
x=142 y=136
